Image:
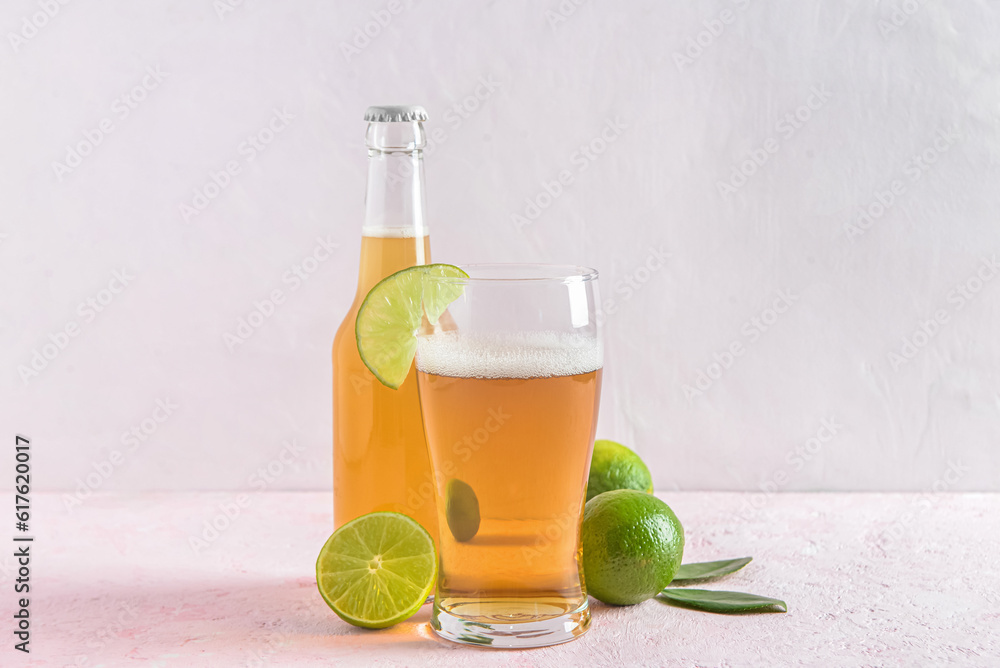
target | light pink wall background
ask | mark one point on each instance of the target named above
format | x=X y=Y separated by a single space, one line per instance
x=674 y=99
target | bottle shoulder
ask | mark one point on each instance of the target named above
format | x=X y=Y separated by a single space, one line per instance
x=346 y=327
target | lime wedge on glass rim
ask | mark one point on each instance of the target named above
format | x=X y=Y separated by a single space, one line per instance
x=387 y=323
x=377 y=570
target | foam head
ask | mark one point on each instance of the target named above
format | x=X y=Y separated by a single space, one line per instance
x=393 y=232
x=508 y=355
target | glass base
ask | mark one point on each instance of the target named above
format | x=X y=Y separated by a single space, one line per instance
x=537 y=632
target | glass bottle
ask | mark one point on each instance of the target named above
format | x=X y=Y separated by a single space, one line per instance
x=380 y=459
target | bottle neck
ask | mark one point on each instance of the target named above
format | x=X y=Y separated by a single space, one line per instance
x=394 y=235
x=394 y=201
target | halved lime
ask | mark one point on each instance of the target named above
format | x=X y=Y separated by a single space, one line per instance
x=377 y=570
x=386 y=327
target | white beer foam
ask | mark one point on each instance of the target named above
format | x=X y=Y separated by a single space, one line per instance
x=509 y=354
x=393 y=232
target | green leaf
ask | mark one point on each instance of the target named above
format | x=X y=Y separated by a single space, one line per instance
x=722 y=601
x=709 y=570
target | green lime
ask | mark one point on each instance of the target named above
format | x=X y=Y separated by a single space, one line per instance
x=377 y=570
x=461 y=510
x=386 y=327
x=616 y=467
x=632 y=546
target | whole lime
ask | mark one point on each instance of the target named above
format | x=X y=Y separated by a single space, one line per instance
x=614 y=466
x=632 y=546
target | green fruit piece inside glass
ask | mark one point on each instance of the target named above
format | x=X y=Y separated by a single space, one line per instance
x=461 y=510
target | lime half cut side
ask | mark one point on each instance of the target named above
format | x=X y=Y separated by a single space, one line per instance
x=377 y=570
x=387 y=323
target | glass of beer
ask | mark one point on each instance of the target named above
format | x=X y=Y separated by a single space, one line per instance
x=510 y=383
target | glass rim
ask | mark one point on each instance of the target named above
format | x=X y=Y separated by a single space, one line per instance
x=518 y=272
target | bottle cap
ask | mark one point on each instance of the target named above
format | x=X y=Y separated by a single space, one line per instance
x=396 y=114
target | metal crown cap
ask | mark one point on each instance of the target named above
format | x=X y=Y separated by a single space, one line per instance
x=396 y=114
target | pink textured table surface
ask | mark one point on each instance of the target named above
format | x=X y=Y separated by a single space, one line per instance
x=870 y=579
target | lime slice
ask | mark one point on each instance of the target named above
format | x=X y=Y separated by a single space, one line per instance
x=377 y=570
x=386 y=328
